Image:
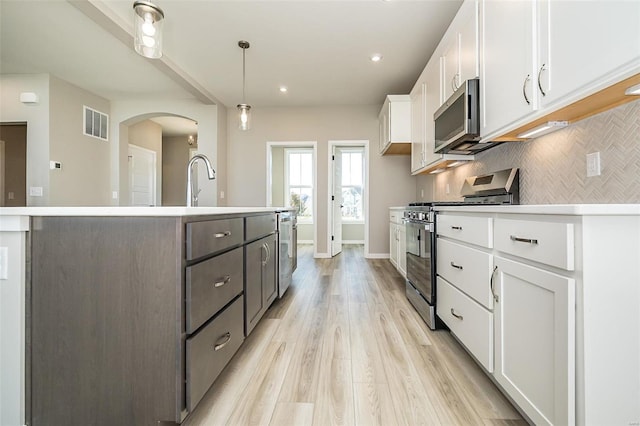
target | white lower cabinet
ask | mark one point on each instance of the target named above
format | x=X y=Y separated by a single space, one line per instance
x=397 y=241
x=534 y=324
x=471 y=323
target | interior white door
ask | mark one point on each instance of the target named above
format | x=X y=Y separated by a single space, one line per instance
x=336 y=200
x=142 y=176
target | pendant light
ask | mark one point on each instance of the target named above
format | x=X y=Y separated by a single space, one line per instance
x=148 y=21
x=244 y=110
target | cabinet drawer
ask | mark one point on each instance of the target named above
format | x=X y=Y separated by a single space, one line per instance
x=466 y=268
x=212 y=236
x=396 y=216
x=209 y=351
x=551 y=243
x=470 y=229
x=212 y=284
x=259 y=226
x=473 y=324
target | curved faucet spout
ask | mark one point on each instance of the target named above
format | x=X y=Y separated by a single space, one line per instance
x=192 y=194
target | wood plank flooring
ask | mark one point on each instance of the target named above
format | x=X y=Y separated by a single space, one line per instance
x=345 y=347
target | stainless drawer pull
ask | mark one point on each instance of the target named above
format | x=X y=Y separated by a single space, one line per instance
x=493 y=274
x=460 y=317
x=222 y=234
x=219 y=346
x=523 y=240
x=457 y=228
x=224 y=281
x=453 y=265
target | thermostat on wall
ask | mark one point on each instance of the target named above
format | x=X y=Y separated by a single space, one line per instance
x=55 y=165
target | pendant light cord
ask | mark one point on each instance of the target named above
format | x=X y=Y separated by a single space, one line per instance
x=244 y=49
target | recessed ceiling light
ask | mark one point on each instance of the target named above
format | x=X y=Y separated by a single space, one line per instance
x=376 y=58
x=283 y=89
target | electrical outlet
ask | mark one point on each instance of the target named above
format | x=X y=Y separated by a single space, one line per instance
x=55 y=165
x=447 y=189
x=114 y=195
x=593 y=164
x=35 y=191
x=422 y=193
x=222 y=195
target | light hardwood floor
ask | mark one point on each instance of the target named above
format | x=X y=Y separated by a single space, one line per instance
x=344 y=347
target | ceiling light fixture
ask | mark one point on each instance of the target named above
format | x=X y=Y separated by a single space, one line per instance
x=191 y=140
x=543 y=129
x=633 y=90
x=376 y=58
x=283 y=89
x=148 y=21
x=244 y=109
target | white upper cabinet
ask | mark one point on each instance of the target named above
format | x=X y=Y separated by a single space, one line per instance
x=507 y=63
x=395 y=125
x=418 y=122
x=460 y=50
x=541 y=55
x=582 y=42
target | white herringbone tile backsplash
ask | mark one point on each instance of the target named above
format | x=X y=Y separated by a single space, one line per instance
x=553 y=168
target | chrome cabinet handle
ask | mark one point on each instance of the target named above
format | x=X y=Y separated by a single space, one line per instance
x=266 y=259
x=457 y=228
x=456 y=266
x=268 y=251
x=453 y=82
x=493 y=274
x=222 y=234
x=524 y=89
x=218 y=346
x=542 y=68
x=460 y=317
x=224 y=281
x=523 y=240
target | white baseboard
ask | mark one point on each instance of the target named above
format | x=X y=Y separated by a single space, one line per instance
x=322 y=256
x=377 y=255
x=353 y=242
x=305 y=241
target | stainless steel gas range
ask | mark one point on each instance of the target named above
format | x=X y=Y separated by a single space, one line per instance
x=491 y=189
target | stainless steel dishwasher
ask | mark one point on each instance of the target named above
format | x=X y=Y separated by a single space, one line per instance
x=287 y=249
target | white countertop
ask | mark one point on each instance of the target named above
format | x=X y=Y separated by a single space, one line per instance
x=133 y=211
x=556 y=209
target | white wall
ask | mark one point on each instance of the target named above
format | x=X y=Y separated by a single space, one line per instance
x=37 y=118
x=127 y=113
x=84 y=179
x=389 y=177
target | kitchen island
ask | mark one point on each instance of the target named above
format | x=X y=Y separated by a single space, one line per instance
x=131 y=313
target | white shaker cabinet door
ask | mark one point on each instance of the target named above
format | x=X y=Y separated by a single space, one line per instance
x=584 y=42
x=508 y=56
x=535 y=341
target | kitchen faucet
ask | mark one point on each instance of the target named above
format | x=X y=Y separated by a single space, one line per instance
x=192 y=195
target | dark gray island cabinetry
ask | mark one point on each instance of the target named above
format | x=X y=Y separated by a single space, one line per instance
x=132 y=318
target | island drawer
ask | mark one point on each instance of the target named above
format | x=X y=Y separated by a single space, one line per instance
x=470 y=322
x=209 y=351
x=211 y=284
x=260 y=226
x=466 y=268
x=547 y=242
x=476 y=230
x=212 y=236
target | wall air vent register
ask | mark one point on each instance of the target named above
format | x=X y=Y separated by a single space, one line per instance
x=96 y=124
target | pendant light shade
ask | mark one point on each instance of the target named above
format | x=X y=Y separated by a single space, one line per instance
x=148 y=22
x=244 y=110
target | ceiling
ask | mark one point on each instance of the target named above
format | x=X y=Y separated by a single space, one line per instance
x=319 y=50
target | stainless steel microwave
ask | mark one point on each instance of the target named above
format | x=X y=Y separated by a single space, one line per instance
x=457 y=122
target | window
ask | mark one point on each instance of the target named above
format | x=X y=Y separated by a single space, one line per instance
x=299 y=182
x=352 y=184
